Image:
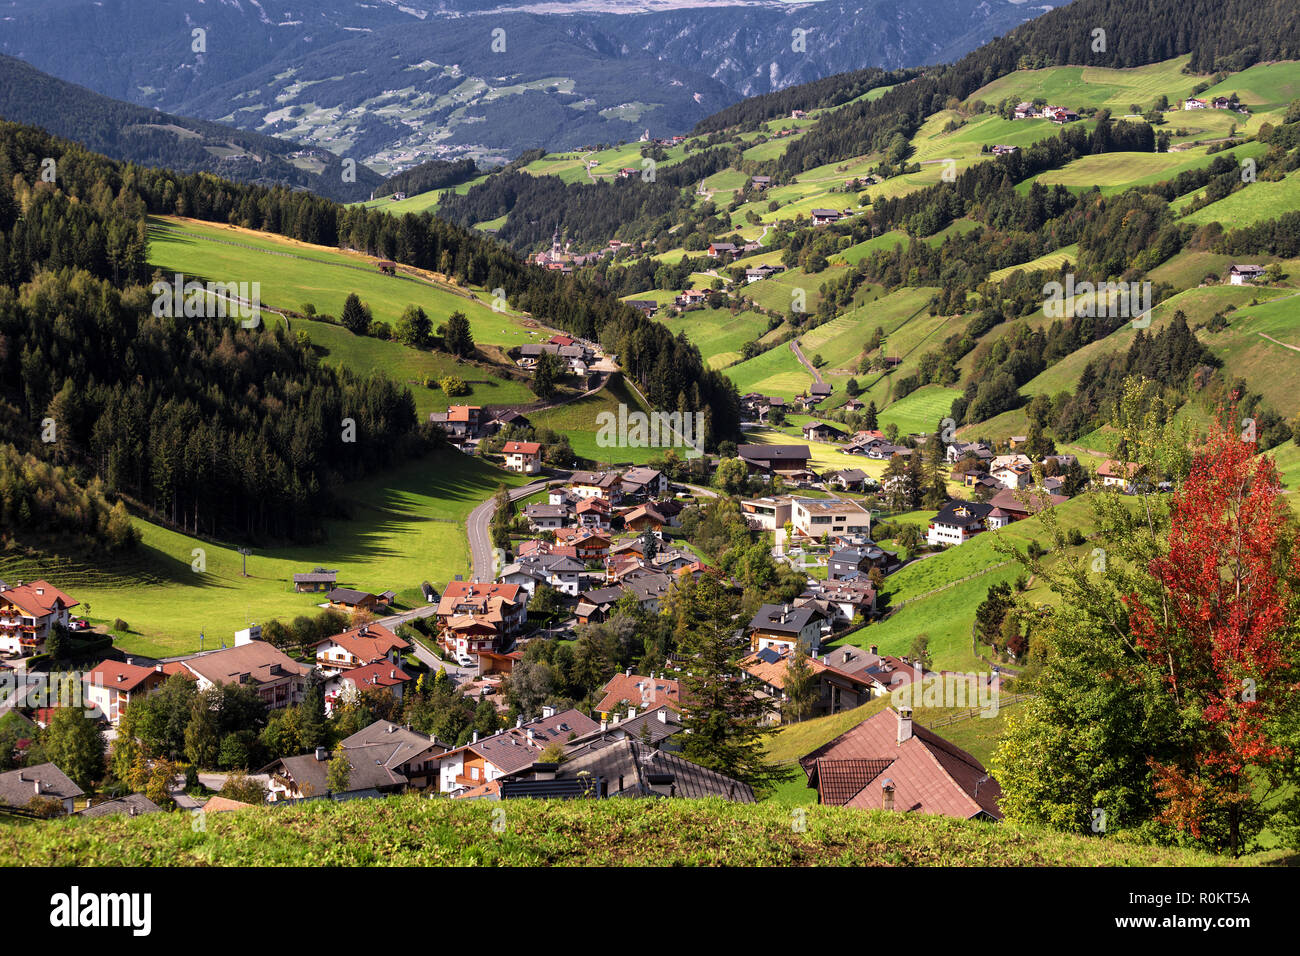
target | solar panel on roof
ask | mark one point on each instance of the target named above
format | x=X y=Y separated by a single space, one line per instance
x=768 y=656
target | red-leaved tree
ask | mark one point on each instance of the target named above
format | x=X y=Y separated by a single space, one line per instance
x=1222 y=628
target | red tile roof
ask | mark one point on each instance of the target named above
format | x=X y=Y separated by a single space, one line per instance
x=119 y=676
x=638 y=691
x=37 y=598
x=367 y=642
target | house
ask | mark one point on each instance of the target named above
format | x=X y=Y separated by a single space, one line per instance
x=19 y=787
x=631 y=768
x=836 y=691
x=110 y=685
x=1025 y=111
x=760 y=182
x=957 y=522
x=561 y=572
x=597 y=484
x=719 y=249
x=1012 y=476
x=131 y=805
x=1000 y=150
x=28 y=612
x=888 y=762
x=593 y=513
x=781 y=626
x=885 y=674
x=588 y=544
x=307 y=776
x=1118 y=474
x=381 y=676
x=1064 y=116
x=849 y=479
x=459 y=421
x=476 y=616
x=834 y=517
x=358 y=647
x=351 y=599
x=823 y=431
x=822 y=217
x=1244 y=274
x=1192 y=103
x=849 y=564
x=595 y=605
x=842 y=600
x=278 y=679
x=820 y=390
x=648 y=587
x=775 y=459
x=647 y=307
x=644 y=518
x=690 y=297
x=628 y=691
x=1221 y=103
x=524 y=457
x=767 y=514
x=413 y=755
x=512 y=750
x=317 y=580
x=1011 y=508
x=644 y=481
x=546 y=517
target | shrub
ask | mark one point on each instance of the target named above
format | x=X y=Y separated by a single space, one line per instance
x=120 y=625
x=454 y=385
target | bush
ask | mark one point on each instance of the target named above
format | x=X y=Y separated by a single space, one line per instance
x=120 y=625
x=454 y=386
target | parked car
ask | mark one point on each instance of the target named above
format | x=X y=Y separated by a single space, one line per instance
x=78 y=624
x=465 y=660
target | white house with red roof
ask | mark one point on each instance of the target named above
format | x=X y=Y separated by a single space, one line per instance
x=27 y=612
x=111 y=685
x=358 y=647
x=524 y=457
x=382 y=676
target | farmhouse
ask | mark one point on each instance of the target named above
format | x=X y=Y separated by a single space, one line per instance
x=823 y=431
x=1118 y=474
x=1243 y=274
x=822 y=217
x=317 y=580
x=524 y=457
x=775 y=459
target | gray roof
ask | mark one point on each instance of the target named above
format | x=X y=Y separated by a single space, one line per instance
x=368 y=772
x=401 y=743
x=644 y=772
x=782 y=618
x=133 y=804
x=774 y=452
x=18 y=787
x=316 y=577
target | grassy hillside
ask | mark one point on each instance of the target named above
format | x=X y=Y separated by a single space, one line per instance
x=403 y=528
x=411 y=831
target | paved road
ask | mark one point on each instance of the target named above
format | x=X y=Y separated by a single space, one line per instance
x=812 y=370
x=476 y=525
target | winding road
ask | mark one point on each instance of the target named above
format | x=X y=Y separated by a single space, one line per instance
x=476 y=525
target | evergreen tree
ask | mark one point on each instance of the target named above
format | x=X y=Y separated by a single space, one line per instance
x=800 y=687
x=456 y=335
x=724 y=721
x=355 y=318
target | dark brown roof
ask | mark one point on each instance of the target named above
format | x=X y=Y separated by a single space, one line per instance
x=842 y=780
x=640 y=769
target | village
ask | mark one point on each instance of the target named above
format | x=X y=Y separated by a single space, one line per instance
x=587 y=549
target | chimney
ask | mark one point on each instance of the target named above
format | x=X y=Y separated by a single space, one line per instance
x=904 y=724
x=887 y=794
x=37 y=785
x=631 y=712
x=548 y=712
x=475 y=739
x=875 y=649
x=519 y=721
x=604 y=725
x=321 y=754
x=158 y=668
x=130 y=660
x=663 y=715
x=392 y=675
x=628 y=673
x=530 y=735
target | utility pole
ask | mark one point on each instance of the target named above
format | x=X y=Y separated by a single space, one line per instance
x=245 y=552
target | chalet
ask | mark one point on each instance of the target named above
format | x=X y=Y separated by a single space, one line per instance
x=1063 y=116
x=836 y=691
x=771 y=405
x=1010 y=505
x=798 y=114
x=644 y=481
x=626 y=172
x=358 y=647
x=19 y=787
x=822 y=217
x=1025 y=111
x=524 y=457
x=588 y=544
x=630 y=768
x=833 y=517
x=318 y=580
x=1004 y=461
x=647 y=307
x=278 y=679
x=758 y=273
x=690 y=297
x=544 y=517
x=347 y=686
x=595 y=605
x=352 y=600
x=644 y=518
x=512 y=750
x=849 y=479
x=1000 y=150
x=478 y=614
x=841 y=601
x=527 y=355
x=851 y=564
x=823 y=431
x=775 y=459
x=593 y=513
x=1012 y=476
x=957 y=522
x=1192 y=103
x=633 y=691
x=1243 y=274
x=781 y=626
x=506 y=419
x=889 y=763
x=413 y=755
x=28 y=612
x=131 y=805
x=111 y=685
x=597 y=484
x=459 y=421
x=760 y=182
x=307 y=776
x=559 y=571
x=1118 y=474
x=958 y=450
x=719 y=249
x=649 y=588
x=1221 y=103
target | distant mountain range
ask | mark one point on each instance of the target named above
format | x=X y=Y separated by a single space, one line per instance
x=391 y=84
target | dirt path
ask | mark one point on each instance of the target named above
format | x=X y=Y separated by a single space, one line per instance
x=798 y=353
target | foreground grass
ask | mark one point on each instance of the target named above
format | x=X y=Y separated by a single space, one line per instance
x=414 y=831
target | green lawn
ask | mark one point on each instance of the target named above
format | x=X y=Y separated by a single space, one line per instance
x=1251 y=203
x=404 y=528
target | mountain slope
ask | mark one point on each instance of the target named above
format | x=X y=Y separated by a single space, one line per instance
x=153 y=138
x=393 y=84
